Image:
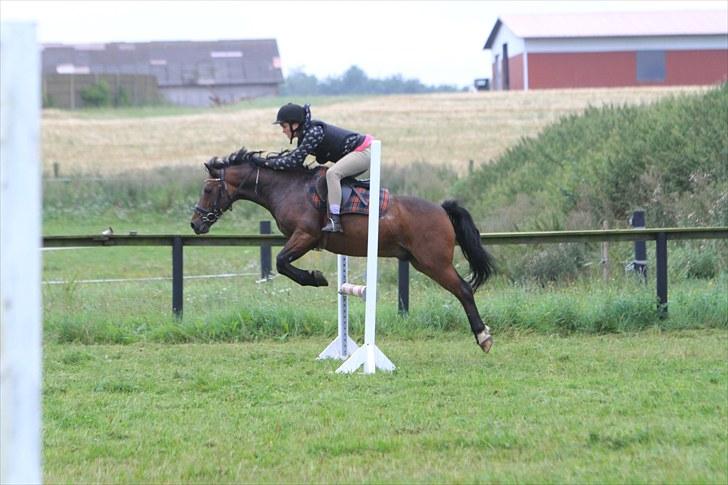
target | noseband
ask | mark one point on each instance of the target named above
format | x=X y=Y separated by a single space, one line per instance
x=211 y=215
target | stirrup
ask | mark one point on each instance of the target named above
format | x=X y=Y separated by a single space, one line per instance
x=332 y=226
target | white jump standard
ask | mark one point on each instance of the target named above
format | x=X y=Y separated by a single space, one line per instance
x=343 y=345
x=369 y=354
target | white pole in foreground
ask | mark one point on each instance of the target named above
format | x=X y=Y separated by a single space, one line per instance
x=20 y=256
x=369 y=355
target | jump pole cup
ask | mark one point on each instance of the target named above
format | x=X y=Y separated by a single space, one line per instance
x=369 y=354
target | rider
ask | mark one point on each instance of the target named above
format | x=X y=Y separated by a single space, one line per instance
x=350 y=152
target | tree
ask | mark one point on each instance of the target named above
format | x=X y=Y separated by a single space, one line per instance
x=355 y=81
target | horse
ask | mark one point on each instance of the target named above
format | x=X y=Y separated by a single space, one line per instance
x=410 y=229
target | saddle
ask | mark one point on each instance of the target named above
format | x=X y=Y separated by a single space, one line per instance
x=354 y=195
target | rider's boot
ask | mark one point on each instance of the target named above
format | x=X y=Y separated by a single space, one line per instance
x=334 y=224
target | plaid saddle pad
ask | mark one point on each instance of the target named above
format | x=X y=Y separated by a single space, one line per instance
x=356 y=197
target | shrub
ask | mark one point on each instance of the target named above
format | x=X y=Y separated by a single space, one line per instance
x=668 y=157
x=97 y=94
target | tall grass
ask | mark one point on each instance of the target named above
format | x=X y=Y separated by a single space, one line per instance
x=239 y=310
x=670 y=158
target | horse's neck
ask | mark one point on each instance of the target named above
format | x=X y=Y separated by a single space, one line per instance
x=273 y=189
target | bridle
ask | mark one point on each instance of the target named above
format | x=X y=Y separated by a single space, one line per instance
x=211 y=215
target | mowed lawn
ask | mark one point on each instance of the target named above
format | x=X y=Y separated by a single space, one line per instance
x=647 y=407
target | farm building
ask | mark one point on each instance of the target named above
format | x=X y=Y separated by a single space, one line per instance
x=609 y=49
x=186 y=72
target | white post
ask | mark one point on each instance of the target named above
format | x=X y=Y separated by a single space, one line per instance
x=20 y=256
x=343 y=345
x=369 y=355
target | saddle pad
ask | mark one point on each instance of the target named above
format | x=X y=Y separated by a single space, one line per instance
x=357 y=203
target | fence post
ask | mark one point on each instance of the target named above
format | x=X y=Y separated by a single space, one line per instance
x=403 y=286
x=605 y=254
x=177 y=279
x=639 y=264
x=265 y=253
x=661 y=256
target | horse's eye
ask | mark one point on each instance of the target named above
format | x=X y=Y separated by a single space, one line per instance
x=207 y=190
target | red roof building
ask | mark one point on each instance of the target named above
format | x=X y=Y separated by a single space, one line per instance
x=584 y=50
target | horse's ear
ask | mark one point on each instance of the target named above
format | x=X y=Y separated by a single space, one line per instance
x=211 y=170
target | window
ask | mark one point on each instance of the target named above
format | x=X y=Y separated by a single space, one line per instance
x=223 y=54
x=651 y=65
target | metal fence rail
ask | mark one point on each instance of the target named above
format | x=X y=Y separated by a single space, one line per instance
x=265 y=241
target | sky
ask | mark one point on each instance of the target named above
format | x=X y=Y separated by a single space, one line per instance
x=437 y=42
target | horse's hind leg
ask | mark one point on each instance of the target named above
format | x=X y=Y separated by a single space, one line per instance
x=447 y=277
x=298 y=245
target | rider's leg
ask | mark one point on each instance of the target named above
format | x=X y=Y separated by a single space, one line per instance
x=354 y=163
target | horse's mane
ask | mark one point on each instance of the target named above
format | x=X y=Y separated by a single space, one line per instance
x=248 y=156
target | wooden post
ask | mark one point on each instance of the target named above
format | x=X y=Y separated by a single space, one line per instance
x=637 y=220
x=605 y=254
x=266 y=267
x=177 y=277
x=403 y=286
x=661 y=272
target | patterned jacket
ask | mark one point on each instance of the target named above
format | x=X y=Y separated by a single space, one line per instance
x=327 y=142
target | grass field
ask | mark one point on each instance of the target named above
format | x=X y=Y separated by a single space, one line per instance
x=585 y=383
x=449 y=129
x=647 y=408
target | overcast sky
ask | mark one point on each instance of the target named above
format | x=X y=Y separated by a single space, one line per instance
x=437 y=42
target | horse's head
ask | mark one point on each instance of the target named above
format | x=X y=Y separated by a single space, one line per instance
x=214 y=199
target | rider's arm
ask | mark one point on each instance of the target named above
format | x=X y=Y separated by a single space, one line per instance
x=295 y=158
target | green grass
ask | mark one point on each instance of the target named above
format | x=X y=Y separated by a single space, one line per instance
x=585 y=383
x=645 y=408
x=668 y=158
x=240 y=309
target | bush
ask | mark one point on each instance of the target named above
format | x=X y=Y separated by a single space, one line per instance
x=97 y=94
x=698 y=260
x=121 y=98
x=668 y=157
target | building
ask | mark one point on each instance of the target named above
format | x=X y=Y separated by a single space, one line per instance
x=187 y=73
x=583 y=50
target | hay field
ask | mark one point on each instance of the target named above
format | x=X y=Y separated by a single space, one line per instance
x=450 y=128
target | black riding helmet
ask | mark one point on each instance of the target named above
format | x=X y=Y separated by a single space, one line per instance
x=290 y=113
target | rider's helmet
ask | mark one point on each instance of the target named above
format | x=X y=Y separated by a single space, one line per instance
x=290 y=113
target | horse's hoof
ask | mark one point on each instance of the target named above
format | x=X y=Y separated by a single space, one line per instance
x=485 y=341
x=319 y=279
x=487 y=344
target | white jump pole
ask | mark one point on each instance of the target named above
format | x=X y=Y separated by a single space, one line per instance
x=20 y=256
x=343 y=345
x=369 y=355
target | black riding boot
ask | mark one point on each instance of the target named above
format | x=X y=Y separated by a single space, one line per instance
x=334 y=224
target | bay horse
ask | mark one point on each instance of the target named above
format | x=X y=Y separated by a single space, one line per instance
x=411 y=229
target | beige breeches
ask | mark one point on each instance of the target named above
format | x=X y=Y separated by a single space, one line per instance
x=350 y=165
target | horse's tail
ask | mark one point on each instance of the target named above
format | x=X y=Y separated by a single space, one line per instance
x=468 y=237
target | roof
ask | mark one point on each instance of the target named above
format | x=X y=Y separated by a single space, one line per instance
x=173 y=63
x=613 y=24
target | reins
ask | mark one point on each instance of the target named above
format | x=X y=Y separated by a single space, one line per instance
x=216 y=211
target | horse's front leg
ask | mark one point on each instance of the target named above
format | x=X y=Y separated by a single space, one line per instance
x=299 y=244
